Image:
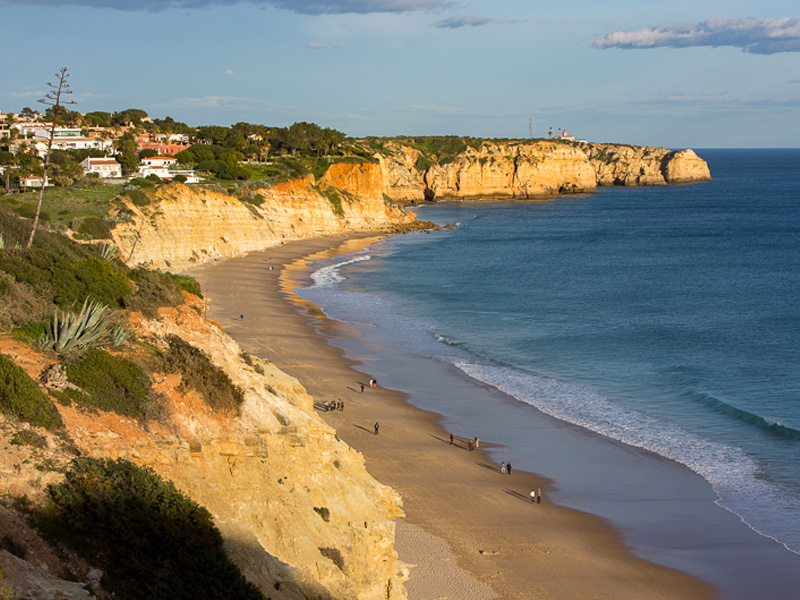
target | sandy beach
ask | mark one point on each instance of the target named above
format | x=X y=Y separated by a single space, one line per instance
x=470 y=531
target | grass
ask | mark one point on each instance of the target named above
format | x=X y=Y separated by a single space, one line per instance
x=65 y=204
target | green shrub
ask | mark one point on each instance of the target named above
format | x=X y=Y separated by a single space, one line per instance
x=153 y=289
x=139 y=197
x=92 y=228
x=150 y=540
x=111 y=383
x=28 y=437
x=20 y=397
x=61 y=273
x=198 y=372
x=323 y=512
x=187 y=283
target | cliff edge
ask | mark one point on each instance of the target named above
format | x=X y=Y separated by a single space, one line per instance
x=299 y=513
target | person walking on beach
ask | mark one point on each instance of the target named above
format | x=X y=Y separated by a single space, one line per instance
x=503 y=467
x=362 y=388
x=477 y=442
x=451 y=438
x=538 y=496
x=377 y=427
x=508 y=467
x=533 y=496
x=373 y=383
x=469 y=445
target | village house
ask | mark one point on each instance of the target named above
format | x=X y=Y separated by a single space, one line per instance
x=158 y=161
x=104 y=167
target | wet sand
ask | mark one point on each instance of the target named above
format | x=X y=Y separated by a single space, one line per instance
x=458 y=504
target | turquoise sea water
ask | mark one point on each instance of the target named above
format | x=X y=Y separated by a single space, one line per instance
x=666 y=318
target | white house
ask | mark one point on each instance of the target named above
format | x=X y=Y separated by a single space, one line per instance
x=159 y=171
x=104 y=167
x=158 y=161
x=34 y=181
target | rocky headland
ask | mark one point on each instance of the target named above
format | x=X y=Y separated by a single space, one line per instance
x=182 y=226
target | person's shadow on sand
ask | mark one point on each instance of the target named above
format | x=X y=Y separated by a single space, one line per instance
x=368 y=430
x=518 y=495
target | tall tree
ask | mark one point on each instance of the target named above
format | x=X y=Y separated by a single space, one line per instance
x=54 y=99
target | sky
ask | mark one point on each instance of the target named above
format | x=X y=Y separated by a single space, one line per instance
x=679 y=74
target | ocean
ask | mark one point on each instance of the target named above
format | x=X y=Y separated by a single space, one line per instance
x=665 y=320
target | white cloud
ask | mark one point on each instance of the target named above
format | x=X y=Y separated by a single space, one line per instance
x=227 y=72
x=756 y=36
x=316 y=45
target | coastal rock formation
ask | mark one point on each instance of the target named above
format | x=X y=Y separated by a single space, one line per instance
x=531 y=170
x=182 y=226
x=512 y=170
x=296 y=507
x=617 y=164
x=177 y=226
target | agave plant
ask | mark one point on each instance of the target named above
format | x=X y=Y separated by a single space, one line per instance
x=70 y=331
x=108 y=251
x=118 y=336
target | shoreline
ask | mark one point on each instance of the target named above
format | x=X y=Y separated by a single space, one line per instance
x=519 y=550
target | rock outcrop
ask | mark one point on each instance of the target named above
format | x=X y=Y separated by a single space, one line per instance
x=617 y=164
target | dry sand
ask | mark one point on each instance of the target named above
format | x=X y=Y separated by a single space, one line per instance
x=467 y=525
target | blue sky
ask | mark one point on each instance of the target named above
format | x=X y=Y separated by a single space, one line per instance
x=676 y=74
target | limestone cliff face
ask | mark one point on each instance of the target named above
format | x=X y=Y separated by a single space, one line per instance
x=532 y=169
x=183 y=226
x=636 y=165
x=296 y=507
x=512 y=170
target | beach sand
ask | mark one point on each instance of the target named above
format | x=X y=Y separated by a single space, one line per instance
x=470 y=531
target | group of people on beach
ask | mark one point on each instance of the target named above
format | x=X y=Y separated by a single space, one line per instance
x=334 y=405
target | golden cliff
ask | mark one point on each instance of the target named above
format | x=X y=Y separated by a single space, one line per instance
x=532 y=169
x=182 y=226
x=299 y=513
x=617 y=164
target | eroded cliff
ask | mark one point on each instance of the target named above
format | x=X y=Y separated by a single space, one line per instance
x=182 y=226
x=531 y=170
x=299 y=513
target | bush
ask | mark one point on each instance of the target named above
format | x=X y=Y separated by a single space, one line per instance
x=21 y=398
x=111 y=383
x=187 y=284
x=28 y=437
x=150 y=540
x=198 y=372
x=153 y=289
x=59 y=270
x=92 y=228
